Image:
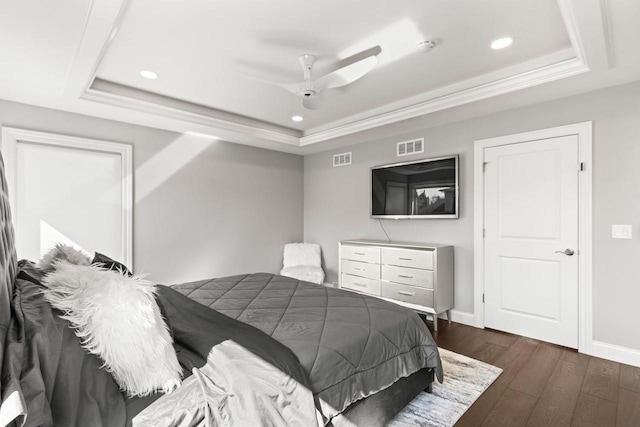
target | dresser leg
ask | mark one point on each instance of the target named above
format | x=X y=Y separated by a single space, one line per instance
x=449 y=316
x=435 y=323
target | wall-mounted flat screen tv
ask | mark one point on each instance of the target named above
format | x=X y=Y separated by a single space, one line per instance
x=421 y=189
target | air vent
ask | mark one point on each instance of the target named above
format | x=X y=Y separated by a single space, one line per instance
x=413 y=146
x=341 y=159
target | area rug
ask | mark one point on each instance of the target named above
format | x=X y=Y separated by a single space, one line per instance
x=465 y=379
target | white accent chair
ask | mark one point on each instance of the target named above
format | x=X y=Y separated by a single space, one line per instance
x=302 y=261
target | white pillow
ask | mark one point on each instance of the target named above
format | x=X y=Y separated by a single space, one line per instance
x=116 y=317
x=61 y=252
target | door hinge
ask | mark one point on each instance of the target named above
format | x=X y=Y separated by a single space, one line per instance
x=482 y=298
x=581 y=166
x=484 y=233
x=484 y=166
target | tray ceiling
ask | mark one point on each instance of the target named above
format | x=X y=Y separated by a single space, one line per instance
x=220 y=64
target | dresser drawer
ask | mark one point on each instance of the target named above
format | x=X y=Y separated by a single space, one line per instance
x=361 y=253
x=360 y=284
x=363 y=269
x=408 y=258
x=408 y=276
x=409 y=294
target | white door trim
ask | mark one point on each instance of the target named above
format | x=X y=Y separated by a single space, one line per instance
x=584 y=132
x=11 y=137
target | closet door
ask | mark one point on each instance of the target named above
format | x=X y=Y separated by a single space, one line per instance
x=69 y=190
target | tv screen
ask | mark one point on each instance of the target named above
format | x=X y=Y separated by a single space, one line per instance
x=422 y=189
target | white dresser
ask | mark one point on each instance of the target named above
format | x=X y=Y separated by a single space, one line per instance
x=418 y=276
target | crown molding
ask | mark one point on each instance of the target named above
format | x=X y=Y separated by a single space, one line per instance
x=522 y=81
x=608 y=33
x=192 y=113
x=589 y=29
x=206 y=116
x=100 y=28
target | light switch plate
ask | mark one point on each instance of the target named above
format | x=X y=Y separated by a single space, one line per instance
x=621 y=231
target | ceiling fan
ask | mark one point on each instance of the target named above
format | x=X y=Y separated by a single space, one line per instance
x=350 y=69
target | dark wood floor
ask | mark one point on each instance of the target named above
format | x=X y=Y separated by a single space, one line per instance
x=544 y=384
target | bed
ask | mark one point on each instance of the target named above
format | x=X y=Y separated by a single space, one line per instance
x=348 y=359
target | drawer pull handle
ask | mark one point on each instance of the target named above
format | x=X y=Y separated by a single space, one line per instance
x=359 y=253
x=406 y=259
x=409 y=294
x=358 y=269
x=362 y=285
x=405 y=277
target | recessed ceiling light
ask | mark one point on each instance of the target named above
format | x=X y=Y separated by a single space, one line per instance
x=501 y=43
x=148 y=74
x=297 y=118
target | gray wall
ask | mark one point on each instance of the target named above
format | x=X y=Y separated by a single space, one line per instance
x=336 y=200
x=210 y=209
x=202 y=208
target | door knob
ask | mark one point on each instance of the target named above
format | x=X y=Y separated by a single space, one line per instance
x=567 y=252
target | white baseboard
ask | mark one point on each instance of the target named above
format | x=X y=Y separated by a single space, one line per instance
x=461 y=317
x=628 y=356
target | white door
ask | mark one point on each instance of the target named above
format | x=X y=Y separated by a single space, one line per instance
x=69 y=190
x=531 y=239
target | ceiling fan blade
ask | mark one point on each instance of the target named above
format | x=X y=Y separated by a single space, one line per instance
x=347 y=74
x=312 y=102
x=290 y=87
x=267 y=79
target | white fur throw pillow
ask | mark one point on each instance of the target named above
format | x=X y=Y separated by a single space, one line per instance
x=116 y=317
x=62 y=252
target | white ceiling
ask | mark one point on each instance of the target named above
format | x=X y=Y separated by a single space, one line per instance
x=214 y=58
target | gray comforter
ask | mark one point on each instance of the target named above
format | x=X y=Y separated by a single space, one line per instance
x=351 y=345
